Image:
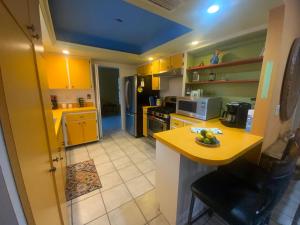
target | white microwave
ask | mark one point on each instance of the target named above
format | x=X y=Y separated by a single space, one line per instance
x=203 y=108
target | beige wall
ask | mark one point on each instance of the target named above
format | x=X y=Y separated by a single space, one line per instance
x=283 y=28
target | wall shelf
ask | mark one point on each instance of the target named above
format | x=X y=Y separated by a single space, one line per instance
x=227 y=64
x=223 y=82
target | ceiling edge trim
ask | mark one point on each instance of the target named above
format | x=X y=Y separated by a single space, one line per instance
x=48 y=20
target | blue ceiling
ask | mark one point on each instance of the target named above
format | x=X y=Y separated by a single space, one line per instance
x=111 y=24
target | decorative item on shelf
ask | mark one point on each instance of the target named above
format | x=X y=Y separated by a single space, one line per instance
x=196 y=76
x=70 y=106
x=201 y=64
x=54 y=102
x=212 y=76
x=188 y=91
x=215 y=59
x=223 y=77
x=197 y=93
x=88 y=96
x=81 y=102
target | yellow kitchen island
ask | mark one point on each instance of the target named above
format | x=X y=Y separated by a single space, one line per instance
x=180 y=161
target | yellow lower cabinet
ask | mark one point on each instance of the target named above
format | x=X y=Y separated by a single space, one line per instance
x=81 y=128
x=74 y=132
x=90 y=131
x=145 y=125
x=176 y=123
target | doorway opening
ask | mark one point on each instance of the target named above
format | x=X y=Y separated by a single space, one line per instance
x=109 y=100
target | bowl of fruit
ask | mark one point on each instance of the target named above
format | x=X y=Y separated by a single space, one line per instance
x=207 y=138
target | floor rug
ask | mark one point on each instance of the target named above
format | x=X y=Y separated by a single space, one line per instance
x=82 y=178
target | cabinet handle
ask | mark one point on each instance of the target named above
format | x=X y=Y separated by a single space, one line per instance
x=61 y=158
x=30 y=27
x=55 y=160
x=52 y=170
x=35 y=36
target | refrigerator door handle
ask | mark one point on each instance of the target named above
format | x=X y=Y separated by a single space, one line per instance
x=126 y=94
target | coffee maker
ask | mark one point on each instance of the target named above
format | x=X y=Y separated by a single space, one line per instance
x=236 y=114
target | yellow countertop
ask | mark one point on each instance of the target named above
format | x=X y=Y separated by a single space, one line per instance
x=58 y=113
x=234 y=142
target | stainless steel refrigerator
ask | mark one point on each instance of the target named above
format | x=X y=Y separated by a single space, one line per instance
x=138 y=90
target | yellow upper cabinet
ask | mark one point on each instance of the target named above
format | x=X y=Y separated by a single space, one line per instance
x=148 y=69
x=80 y=75
x=176 y=61
x=140 y=70
x=67 y=72
x=56 y=69
x=155 y=66
x=164 y=64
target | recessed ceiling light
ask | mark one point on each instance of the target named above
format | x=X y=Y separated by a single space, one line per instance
x=66 y=52
x=213 y=9
x=150 y=58
x=194 y=42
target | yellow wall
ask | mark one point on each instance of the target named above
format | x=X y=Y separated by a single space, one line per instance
x=283 y=28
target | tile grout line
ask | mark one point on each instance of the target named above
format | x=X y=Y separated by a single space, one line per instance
x=132 y=195
x=123 y=182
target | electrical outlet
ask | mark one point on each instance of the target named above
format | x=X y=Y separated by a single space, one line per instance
x=277 y=110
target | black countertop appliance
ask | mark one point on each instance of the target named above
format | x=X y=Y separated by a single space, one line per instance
x=236 y=114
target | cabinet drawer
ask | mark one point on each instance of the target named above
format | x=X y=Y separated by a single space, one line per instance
x=176 y=123
x=80 y=116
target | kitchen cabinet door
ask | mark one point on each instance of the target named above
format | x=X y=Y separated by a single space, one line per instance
x=155 y=66
x=177 y=61
x=155 y=83
x=90 y=131
x=26 y=13
x=145 y=125
x=148 y=69
x=164 y=64
x=176 y=123
x=75 y=132
x=23 y=123
x=56 y=70
x=80 y=75
x=140 y=70
x=60 y=185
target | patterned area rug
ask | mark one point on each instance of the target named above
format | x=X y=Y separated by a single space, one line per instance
x=82 y=178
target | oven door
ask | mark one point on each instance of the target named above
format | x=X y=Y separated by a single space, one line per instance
x=155 y=125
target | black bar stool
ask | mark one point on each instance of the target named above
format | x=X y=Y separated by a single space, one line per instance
x=244 y=193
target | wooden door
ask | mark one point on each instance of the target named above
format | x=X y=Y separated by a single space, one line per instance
x=56 y=70
x=177 y=61
x=75 y=132
x=90 y=131
x=24 y=126
x=80 y=75
x=164 y=64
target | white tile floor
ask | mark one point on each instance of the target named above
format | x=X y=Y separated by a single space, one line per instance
x=126 y=167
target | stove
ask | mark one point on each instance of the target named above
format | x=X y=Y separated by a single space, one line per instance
x=161 y=112
x=158 y=118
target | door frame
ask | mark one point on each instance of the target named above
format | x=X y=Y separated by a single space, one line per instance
x=98 y=97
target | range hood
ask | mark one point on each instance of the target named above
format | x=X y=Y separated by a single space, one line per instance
x=171 y=73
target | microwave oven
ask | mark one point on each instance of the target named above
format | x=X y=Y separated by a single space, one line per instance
x=203 y=108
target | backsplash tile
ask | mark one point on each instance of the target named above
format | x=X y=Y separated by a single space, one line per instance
x=72 y=95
